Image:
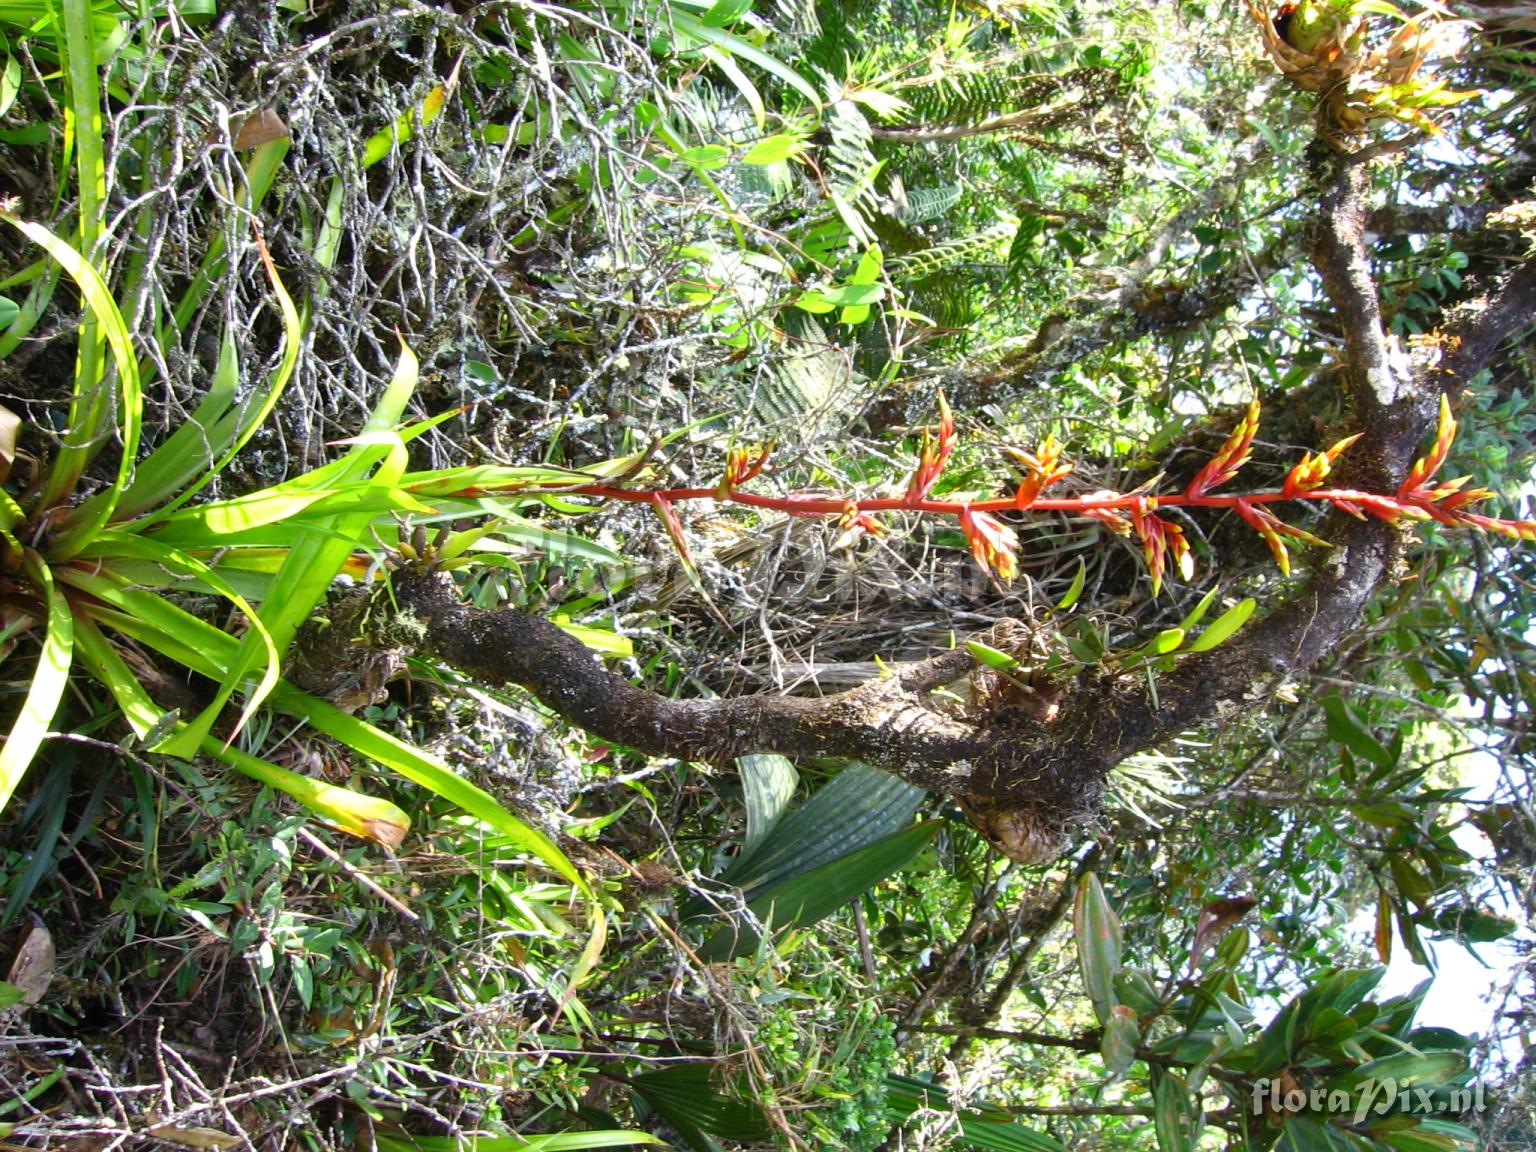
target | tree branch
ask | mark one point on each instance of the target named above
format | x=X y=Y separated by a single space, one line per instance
x=1396 y=403
x=885 y=721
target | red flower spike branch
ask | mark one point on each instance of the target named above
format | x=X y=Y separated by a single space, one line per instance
x=673 y=525
x=1231 y=456
x=1272 y=528
x=1161 y=540
x=995 y=545
x=1313 y=470
x=938 y=443
x=740 y=466
x=856 y=525
x=1041 y=470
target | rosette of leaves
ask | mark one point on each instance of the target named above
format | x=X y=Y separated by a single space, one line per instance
x=96 y=582
x=1331 y=47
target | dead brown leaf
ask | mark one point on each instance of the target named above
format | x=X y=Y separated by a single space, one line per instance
x=10 y=432
x=32 y=970
x=257 y=129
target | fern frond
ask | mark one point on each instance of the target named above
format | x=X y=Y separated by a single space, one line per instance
x=992 y=91
x=924 y=204
x=991 y=240
x=851 y=167
x=812 y=382
x=950 y=298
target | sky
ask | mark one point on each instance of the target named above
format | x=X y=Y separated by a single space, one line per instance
x=1462 y=996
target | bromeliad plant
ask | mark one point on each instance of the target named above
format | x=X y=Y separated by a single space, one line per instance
x=101 y=565
x=92 y=573
x=1362 y=75
x=89 y=573
x=101 y=578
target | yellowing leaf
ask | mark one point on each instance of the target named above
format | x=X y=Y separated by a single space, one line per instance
x=382 y=142
x=194 y=1137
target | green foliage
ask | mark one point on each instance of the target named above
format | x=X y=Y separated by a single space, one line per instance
x=982 y=1129
x=853 y=833
x=630 y=234
x=80 y=555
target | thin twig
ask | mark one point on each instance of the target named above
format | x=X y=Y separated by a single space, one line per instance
x=361 y=877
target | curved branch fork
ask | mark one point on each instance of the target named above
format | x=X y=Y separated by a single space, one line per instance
x=888 y=721
x=997 y=762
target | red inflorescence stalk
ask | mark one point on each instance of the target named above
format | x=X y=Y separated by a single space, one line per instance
x=995 y=545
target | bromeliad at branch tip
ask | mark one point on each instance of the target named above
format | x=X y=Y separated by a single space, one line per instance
x=1365 y=71
x=995 y=544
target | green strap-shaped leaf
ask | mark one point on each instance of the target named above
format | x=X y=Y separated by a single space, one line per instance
x=39 y=296
x=493 y=478
x=48 y=680
x=234 y=429
x=1197 y=613
x=428 y=771
x=198 y=645
x=768 y=784
x=260 y=172
x=90 y=413
x=858 y=807
x=284 y=510
x=10 y=513
x=982 y=1127
x=1171 y=1114
x=1221 y=628
x=318 y=553
x=1075 y=589
x=218 y=427
x=80 y=72
x=194 y=445
x=729 y=42
x=804 y=898
x=90 y=408
x=190 y=737
x=370 y=817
